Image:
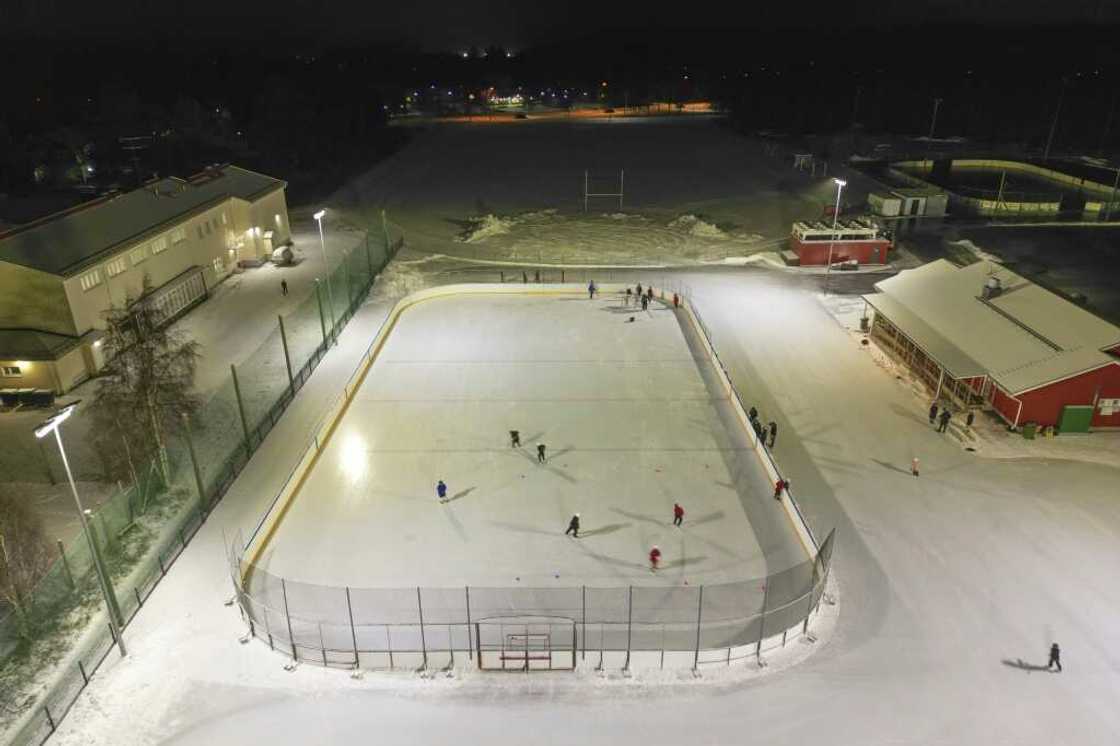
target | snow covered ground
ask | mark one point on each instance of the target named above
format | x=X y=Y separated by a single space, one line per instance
x=953 y=584
x=632 y=422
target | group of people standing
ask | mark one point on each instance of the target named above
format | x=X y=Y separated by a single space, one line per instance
x=762 y=432
x=644 y=297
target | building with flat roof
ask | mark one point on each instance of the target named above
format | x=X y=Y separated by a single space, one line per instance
x=983 y=337
x=60 y=275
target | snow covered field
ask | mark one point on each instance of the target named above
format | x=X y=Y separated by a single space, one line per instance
x=952 y=585
x=631 y=426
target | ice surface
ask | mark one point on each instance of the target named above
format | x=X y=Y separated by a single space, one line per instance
x=630 y=427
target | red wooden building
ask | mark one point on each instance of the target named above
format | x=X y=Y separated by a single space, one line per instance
x=859 y=240
x=984 y=337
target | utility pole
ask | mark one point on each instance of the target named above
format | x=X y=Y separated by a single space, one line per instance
x=933 y=119
x=1054 y=124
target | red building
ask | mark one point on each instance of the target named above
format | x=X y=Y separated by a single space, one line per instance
x=859 y=240
x=983 y=337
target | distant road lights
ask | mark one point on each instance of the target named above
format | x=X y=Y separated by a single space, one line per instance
x=840 y=184
x=326 y=268
x=53 y=425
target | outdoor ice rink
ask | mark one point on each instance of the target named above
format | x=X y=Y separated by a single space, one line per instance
x=632 y=419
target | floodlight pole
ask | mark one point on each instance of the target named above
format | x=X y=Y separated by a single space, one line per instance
x=326 y=269
x=832 y=240
x=1054 y=123
x=116 y=622
x=933 y=119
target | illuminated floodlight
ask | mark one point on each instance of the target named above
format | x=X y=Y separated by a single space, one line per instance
x=319 y=215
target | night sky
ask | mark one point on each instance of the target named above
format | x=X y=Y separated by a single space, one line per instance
x=449 y=25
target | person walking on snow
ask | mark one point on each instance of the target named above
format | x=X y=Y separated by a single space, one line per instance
x=914 y=466
x=591 y=290
x=540 y=453
x=645 y=303
x=441 y=490
x=1055 y=658
x=932 y=412
x=945 y=415
x=284 y=288
x=773 y=426
x=678 y=514
x=514 y=438
x=573 y=527
x=654 y=558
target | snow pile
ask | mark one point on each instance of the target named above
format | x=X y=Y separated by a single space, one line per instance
x=976 y=251
x=622 y=216
x=696 y=227
x=486 y=226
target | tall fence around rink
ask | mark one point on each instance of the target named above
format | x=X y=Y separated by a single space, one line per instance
x=519 y=628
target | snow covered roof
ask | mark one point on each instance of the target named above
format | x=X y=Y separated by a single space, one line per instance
x=1022 y=337
x=63 y=243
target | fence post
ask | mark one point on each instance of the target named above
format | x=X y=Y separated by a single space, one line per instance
x=699 y=611
x=241 y=411
x=762 y=622
x=322 y=319
x=66 y=565
x=583 y=629
x=470 y=646
x=629 y=625
x=385 y=231
x=423 y=641
x=194 y=466
x=287 y=357
x=288 y=618
x=353 y=634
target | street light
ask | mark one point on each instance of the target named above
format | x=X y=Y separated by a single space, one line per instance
x=840 y=184
x=53 y=425
x=326 y=269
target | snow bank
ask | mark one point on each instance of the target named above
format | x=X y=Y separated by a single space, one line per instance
x=976 y=251
x=694 y=226
x=484 y=227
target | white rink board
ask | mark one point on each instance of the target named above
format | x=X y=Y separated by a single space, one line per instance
x=630 y=426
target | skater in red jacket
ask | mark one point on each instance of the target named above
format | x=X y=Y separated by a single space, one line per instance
x=654 y=558
x=678 y=514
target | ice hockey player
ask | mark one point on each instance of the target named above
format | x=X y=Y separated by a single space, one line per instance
x=514 y=438
x=779 y=487
x=773 y=432
x=1055 y=658
x=932 y=412
x=573 y=527
x=678 y=514
x=591 y=290
x=628 y=294
x=441 y=490
x=654 y=558
x=540 y=453
x=645 y=302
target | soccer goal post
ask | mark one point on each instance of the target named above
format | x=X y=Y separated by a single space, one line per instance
x=588 y=193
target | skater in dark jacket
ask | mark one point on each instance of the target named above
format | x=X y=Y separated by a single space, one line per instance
x=773 y=432
x=591 y=290
x=573 y=526
x=753 y=414
x=639 y=290
x=540 y=453
x=932 y=412
x=628 y=294
x=945 y=415
x=441 y=490
x=678 y=514
x=1055 y=658
x=514 y=438
x=649 y=292
x=645 y=303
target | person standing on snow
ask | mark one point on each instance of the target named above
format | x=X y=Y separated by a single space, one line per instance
x=1055 y=658
x=628 y=294
x=654 y=558
x=441 y=490
x=678 y=514
x=676 y=301
x=540 y=453
x=932 y=412
x=945 y=415
x=573 y=527
x=752 y=414
x=773 y=432
x=284 y=287
x=514 y=438
x=914 y=466
x=591 y=290
x=645 y=303
x=649 y=292
x=639 y=290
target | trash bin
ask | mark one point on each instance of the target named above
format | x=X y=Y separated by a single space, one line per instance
x=1029 y=430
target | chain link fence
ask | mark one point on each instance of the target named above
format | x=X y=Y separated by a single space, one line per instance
x=142 y=528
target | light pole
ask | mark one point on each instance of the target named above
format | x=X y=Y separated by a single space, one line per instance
x=1054 y=123
x=53 y=425
x=840 y=183
x=933 y=119
x=326 y=269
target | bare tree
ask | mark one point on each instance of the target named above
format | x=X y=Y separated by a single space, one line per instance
x=146 y=389
x=24 y=555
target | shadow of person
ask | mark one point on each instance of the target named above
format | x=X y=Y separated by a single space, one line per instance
x=892 y=467
x=610 y=528
x=461 y=493
x=1023 y=665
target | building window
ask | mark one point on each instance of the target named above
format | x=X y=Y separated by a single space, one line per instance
x=160 y=244
x=178 y=235
x=10 y=371
x=91 y=279
x=137 y=255
x=116 y=266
